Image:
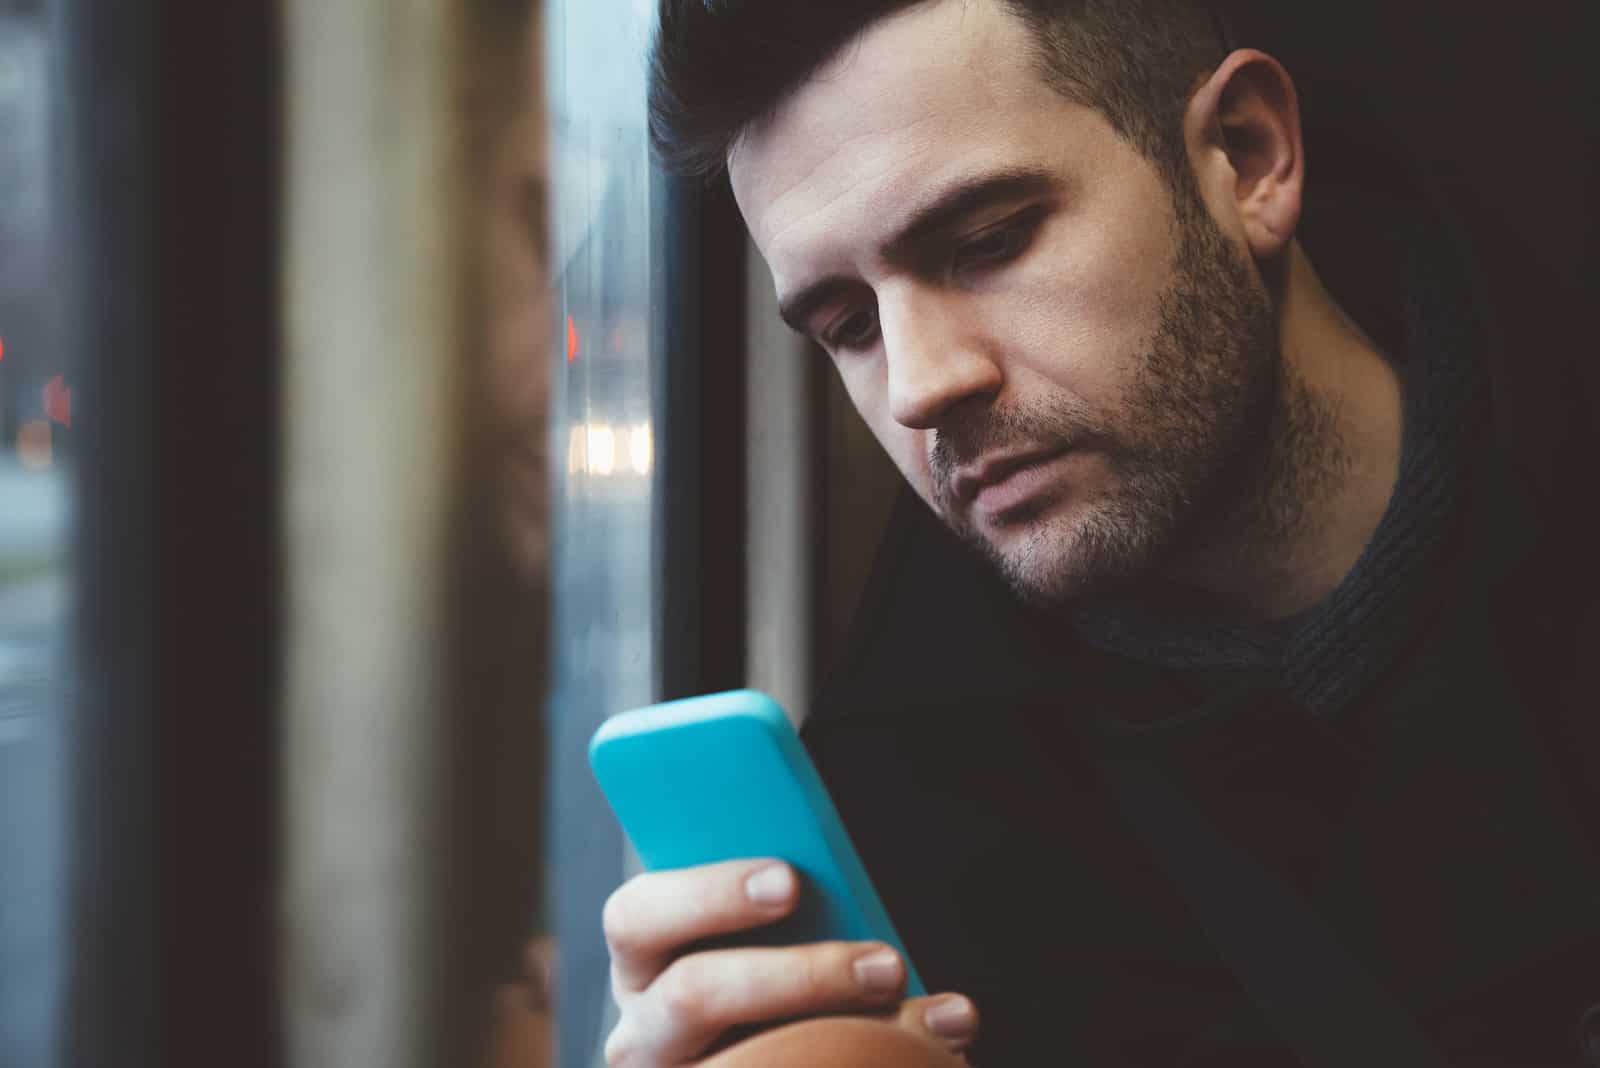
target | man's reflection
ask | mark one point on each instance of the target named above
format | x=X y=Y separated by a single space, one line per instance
x=517 y=296
x=507 y=661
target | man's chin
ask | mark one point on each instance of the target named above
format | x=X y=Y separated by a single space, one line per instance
x=1060 y=558
x=1036 y=561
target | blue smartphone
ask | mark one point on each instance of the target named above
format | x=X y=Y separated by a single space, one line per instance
x=723 y=777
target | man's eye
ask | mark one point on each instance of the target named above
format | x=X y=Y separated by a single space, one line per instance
x=854 y=331
x=996 y=245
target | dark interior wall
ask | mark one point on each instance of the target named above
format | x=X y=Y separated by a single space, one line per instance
x=701 y=414
x=1497 y=108
x=1495 y=100
x=213 y=211
x=171 y=119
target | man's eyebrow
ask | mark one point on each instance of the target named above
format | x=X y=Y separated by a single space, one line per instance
x=962 y=199
x=948 y=207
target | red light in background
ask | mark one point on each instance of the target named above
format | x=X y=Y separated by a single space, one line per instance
x=58 y=401
x=572 y=340
x=2 y=348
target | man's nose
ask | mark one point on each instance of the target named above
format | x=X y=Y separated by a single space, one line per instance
x=935 y=360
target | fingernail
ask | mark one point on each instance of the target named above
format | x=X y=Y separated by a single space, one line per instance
x=771 y=885
x=952 y=1018
x=879 y=971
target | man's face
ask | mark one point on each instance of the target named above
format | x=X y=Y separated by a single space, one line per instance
x=1068 y=361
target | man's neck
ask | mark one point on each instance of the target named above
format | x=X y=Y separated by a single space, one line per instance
x=1314 y=498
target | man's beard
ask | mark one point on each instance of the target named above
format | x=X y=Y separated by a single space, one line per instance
x=1189 y=441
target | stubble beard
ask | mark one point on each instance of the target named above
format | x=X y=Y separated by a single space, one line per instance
x=1190 y=447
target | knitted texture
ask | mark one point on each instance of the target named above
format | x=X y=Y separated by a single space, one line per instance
x=1325 y=656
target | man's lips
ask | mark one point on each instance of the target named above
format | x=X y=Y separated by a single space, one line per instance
x=999 y=483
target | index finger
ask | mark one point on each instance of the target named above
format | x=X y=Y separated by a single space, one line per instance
x=653 y=916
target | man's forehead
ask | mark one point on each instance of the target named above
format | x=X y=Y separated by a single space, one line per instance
x=919 y=96
x=841 y=198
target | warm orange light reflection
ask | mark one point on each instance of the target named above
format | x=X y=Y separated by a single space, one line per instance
x=34 y=447
x=602 y=449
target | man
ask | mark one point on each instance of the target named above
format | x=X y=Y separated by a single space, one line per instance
x=1246 y=758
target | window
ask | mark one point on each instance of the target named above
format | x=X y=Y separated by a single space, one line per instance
x=36 y=462
x=604 y=440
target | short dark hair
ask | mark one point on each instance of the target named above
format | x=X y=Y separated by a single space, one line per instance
x=719 y=65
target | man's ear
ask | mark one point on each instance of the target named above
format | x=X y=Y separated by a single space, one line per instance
x=1242 y=128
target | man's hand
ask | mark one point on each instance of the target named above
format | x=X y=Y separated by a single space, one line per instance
x=675 y=1005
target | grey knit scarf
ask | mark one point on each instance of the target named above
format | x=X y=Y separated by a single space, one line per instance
x=1325 y=656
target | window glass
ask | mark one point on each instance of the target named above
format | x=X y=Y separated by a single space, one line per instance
x=37 y=399
x=604 y=651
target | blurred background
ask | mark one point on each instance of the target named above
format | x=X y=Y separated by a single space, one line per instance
x=375 y=419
